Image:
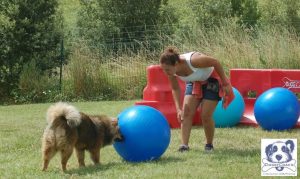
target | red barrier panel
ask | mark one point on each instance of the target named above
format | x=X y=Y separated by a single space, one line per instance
x=158 y=94
x=249 y=82
x=289 y=79
x=253 y=82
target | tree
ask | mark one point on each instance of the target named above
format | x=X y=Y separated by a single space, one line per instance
x=246 y=11
x=113 y=23
x=6 y=27
x=281 y=13
x=211 y=13
x=293 y=14
x=30 y=33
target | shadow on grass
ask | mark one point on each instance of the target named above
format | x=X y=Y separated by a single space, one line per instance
x=89 y=169
x=169 y=159
x=102 y=167
x=162 y=160
x=230 y=152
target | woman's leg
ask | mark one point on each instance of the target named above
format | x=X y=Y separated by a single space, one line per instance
x=208 y=108
x=190 y=104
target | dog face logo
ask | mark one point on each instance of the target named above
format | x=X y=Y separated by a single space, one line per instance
x=280 y=152
x=279 y=155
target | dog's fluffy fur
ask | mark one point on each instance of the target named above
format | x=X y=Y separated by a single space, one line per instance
x=68 y=129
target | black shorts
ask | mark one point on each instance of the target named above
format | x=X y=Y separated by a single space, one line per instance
x=210 y=89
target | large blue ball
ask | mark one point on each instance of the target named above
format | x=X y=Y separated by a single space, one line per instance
x=277 y=109
x=146 y=134
x=232 y=114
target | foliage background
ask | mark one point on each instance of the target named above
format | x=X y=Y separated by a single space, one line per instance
x=81 y=50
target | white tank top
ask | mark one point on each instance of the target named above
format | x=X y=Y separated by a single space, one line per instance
x=199 y=74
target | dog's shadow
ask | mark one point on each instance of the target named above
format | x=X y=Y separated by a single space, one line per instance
x=89 y=169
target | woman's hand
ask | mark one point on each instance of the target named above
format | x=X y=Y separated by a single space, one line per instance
x=179 y=115
x=227 y=89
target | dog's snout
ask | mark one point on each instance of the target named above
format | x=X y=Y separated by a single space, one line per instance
x=278 y=157
x=120 y=138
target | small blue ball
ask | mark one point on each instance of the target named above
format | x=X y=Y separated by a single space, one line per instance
x=277 y=109
x=232 y=115
x=146 y=134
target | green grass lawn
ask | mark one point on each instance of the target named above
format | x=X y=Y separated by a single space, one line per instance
x=236 y=155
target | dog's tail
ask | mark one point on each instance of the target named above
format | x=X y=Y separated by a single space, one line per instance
x=63 y=111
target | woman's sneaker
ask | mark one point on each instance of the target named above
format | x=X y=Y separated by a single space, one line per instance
x=183 y=148
x=209 y=147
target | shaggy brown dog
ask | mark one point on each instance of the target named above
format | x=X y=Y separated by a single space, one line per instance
x=68 y=128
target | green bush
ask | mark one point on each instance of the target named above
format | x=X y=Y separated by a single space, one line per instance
x=89 y=77
x=34 y=85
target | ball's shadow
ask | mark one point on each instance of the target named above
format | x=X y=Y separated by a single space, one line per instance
x=162 y=160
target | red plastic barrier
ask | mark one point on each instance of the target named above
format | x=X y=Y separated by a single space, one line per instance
x=253 y=82
x=158 y=94
x=250 y=83
x=289 y=79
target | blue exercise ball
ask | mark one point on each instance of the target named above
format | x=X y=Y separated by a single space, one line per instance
x=146 y=134
x=277 y=109
x=232 y=115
